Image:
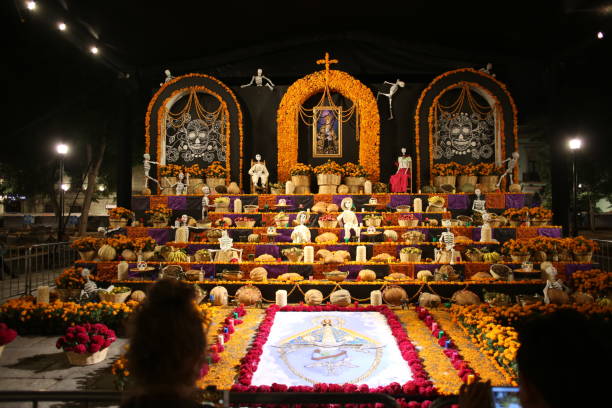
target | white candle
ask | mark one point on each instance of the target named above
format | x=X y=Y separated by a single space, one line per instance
x=361 y=254
x=221 y=339
x=238 y=206
x=42 y=294
x=367 y=187
x=122 y=270
x=417 y=205
x=309 y=254
x=281 y=297
x=376 y=298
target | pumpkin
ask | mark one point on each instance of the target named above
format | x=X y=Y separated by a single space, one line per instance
x=248 y=295
x=429 y=300
x=253 y=238
x=258 y=274
x=557 y=296
x=233 y=188
x=265 y=258
x=326 y=237
x=515 y=188
x=332 y=208
x=203 y=255
x=129 y=255
x=290 y=276
x=581 y=298
x=340 y=297
x=322 y=254
x=138 y=296
x=313 y=297
x=424 y=275
x=396 y=276
x=394 y=295
x=366 y=275
x=164 y=250
x=481 y=276
x=219 y=296
x=390 y=235
x=178 y=256
x=107 y=253
x=465 y=297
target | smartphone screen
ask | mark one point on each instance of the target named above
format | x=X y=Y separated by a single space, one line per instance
x=505 y=397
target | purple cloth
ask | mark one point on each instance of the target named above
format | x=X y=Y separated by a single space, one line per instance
x=267 y=249
x=275 y=270
x=160 y=235
x=400 y=199
x=550 y=232
x=476 y=234
x=422 y=267
x=140 y=203
x=193 y=248
x=177 y=202
x=458 y=201
x=515 y=200
x=337 y=199
x=353 y=270
x=338 y=248
x=571 y=268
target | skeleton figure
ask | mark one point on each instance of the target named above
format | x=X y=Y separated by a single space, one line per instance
x=552 y=282
x=147 y=168
x=488 y=69
x=448 y=239
x=205 y=201
x=392 y=90
x=182 y=230
x=259 y=172
x=301 y=233
x=181 y=186
x=90 y=287
x=348 y=219
x=226 y=252
x=169 y=77
x=258 y=79
x=479 y=204
x=486 y=233
x=512 y=162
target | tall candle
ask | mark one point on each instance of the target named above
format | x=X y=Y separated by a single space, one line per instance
x=237 y=205
x=417 y=205
x=281 y=297
x=220 y=339
x=122 y=270
x=42 y=294
x=376 y=298
x=367 y=187
x=309 y=254
x=361 y=254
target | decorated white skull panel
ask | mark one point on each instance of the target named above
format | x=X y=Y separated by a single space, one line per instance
x=462 y=137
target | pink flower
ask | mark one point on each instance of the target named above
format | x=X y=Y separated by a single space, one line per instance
x=80 y=349
x=93 y=348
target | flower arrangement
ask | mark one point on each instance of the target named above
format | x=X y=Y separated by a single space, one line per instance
x=354 y=170
x=119 y=289
x=445 y=169
x=545 y=244
x=120 y=243
x=516 y=247
x=170 y=170
x=216 y=170
x=468 y=169
x=411 y=250
x=86 y=338
x=488 y=169
x=582 y=245
x=118 y=213
x=70 y=278
x=540 y=213
x=144 y=244
x=407 y=217
x=331 y=167
x=327 y=217
x=6 y=334
x=372 y=217
x=595 y=282
x=159 y=213
x=222 y=201
x=86 y=244
x=195 y=170
x=301 y=169
x=516 y=213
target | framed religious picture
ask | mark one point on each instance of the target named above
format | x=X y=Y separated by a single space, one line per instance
x=327 y=131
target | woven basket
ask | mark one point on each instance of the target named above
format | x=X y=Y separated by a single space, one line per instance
x=373 y=222
x=277 y=191
x=324 y=179
x=67 y=294
x=408 y=223
x=538 y=222
x=441 y=180
x=195 y=185
x=520 y=258
x=463 y=179
x=328 y=224
x=85 y=359
x=327 y=188
x=402 y=208
x=354 y=184
x=301 y=190
x=245 y=224
x=300 y=180
x=410 y=257
x=213 y=182
x=583 y=257
x=250 y=208
x=160 y=224
x=166 y=185
x=117 y=223
x=474 y=257
x=114 y=297
x=87 y=255
x=489 y=181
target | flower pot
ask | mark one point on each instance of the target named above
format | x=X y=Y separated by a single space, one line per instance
x=328 y=224
x=245 y=224
x=408 y=223
x=520 y=258
x=489 y=181
x=87 y=255
x=223 y=208
x=114 y=297
x=354 y=184
x=195 y=185
x=85 y=359
x=160 y=224
x=373 y=222
x=68 y=294
x=440 y=180
x=464 y=179
x=301 y=181
x=473 y=256
x=129 y=255
x=327 y=188
x=404 y=257
x=328 y=179
x=213 y=182
x=583 y=257
x=250 y=209
x=166 y=185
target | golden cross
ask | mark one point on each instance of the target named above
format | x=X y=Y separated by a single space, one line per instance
x=327 y=63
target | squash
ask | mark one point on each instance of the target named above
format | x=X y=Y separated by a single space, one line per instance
x=429 y=300
x=129 y=255
x=138 y=296
x=258 y=274
x=396 y=276
x=178 y=256
x=465 y=297
x=265 y=258
x=394 y=295
x=319 y=207
x=313 y=297
x=322 y=254
x=107 y=253
x=340 y=297
x=253 y=238
x=390 y=235
x=366 y=275
x=248 y=295
x=219 y=296
x=424 y=275
x=480 y=276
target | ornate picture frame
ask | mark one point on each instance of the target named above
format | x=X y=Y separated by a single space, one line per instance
x=327 y=131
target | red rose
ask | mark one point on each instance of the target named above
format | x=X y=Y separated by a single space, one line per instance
x=82 y=338
x=93 y=348
x=80 y=349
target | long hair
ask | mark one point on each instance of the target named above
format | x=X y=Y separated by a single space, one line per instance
x=167 y=337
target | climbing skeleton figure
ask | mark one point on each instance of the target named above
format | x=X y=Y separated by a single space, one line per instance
x=258 y=79
x=512 y=162
x=90 y=288
x=147 y=168
x=552 y=282
x=169 y=77
x=394 y=88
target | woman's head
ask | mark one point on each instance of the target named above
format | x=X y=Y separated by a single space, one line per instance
x=167 y=337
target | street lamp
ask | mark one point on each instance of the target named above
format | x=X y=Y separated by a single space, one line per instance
x=62 y=150
x=574 y=145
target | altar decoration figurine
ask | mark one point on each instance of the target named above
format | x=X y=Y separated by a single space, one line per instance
x=147 y=168
x=169 y=77
x=348 y=219
x=479 y=205
x=392 y=90
x=259 y=174
x=488 y=69
x=301 y=233
x=182 y=230
x=446 y=254
x=226 y=252
x=512 y=163
x=90 y=288
x=401 y=181
x=205 y=201
x=259 y=80
x=554 y=291
x=486 y=233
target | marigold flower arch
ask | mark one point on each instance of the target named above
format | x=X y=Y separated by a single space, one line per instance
x=349 y=87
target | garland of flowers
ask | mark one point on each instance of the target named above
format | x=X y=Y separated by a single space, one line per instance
x=175 y=80
x=304 y=88
x=427 y=90
x=595 y=282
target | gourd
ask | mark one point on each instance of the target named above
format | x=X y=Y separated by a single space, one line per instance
x=253 y=238
x=248 y=295
x=290 y=276
x=394 y=295
x=481 y=276
x=219 y=296
x=366 y=275
x=390 y=235
x=178 y=256
x=424 y=275
x=258 y=274
x=340 y=297
x=138 y=296
x=313 y=297
x=107 y=253
x=465 y=297
x=397 y=276
x=429 y=300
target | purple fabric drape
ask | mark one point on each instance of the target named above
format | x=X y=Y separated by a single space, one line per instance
x=458 y=201
x=515 y=200
x=177 y=202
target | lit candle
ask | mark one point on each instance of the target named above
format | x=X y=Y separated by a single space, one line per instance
x=309 y=254
x=361 y=254
x=281 y=297
x=447 y=344
x=470 y=378
x=237 y=205
x=376 y=298
x=220 y=339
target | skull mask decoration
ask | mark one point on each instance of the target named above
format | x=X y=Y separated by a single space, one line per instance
x=461 y=134
x=197 y=137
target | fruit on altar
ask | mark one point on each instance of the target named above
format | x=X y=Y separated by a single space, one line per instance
x=265 y=258
x=581 y=298
x=218 y=296
x=424 y=275
x=450 y=272
x=500 y=271
x=258 y=274
x=233 y=188
x=291 y=277
x=178 y=256
x=326 y=237
x=366 y=275
x=557 y=296
x=340 y=297
x=429 y=300
x=332 y=208
x=319 y=207
x=491 y=257
x=253 y=238
x=413 y=236
x=322 y=254
x=138 y=296
x=107 y=253
x=482 y=276
x=248 y=295
x=465 y=297
x=396 y=276
x=606 y=301
x=313 y=297
x=390 y=235
x=223 y=222
x=394 y=295
x=202 y=255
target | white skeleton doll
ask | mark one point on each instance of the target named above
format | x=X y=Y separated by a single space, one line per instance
x=348 y=219
x=147 y=168
x=205 y=201
x=301 y=233
x=486 y=233
x=259 y=80
x=512 y=162
x=448 y=239
x=90 y=287
x=259 y=172
x=169 y=77
x=479 y=205
x=552 y=282
x=182 y=183
x=392 y=90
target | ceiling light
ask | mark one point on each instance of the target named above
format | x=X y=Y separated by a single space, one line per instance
x=600 y=35
x=31 y=5
x=61 y=26
x=61 y=148
x=94 y=50
x=575 y=143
